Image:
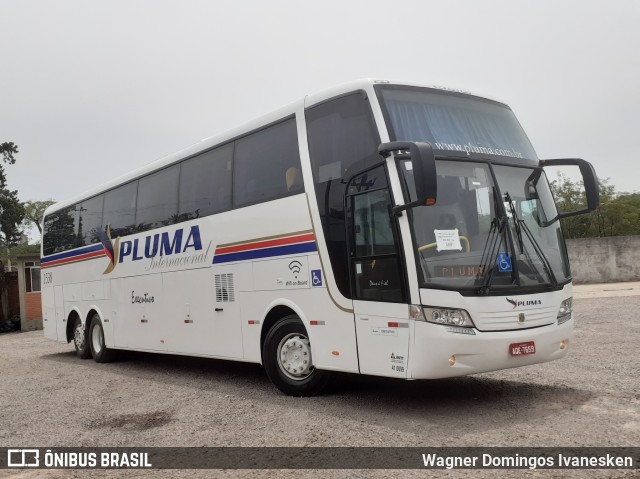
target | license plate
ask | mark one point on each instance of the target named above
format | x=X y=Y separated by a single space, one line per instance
x=522 y=349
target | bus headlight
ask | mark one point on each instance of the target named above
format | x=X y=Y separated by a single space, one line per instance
x=566 y=308
x=449 y=317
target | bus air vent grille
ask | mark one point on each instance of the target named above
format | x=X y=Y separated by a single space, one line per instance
x=225 y=292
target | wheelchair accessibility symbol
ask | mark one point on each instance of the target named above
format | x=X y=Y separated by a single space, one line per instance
x=504 y=262
x=316 y=277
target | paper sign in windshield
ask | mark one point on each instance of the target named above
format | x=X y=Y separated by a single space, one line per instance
x=447 y=240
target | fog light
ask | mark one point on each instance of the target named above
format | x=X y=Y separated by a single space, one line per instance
x=564 y=343
x=452 y=360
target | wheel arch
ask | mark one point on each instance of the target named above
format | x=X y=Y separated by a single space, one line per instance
x=71 y=321
x=277 y=310
x=93 y=310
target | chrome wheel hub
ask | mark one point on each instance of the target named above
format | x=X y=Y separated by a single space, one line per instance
x=294 y=356
x=78 y=337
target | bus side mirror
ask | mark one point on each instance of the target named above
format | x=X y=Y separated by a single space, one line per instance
x=424 y=169
x=589 y=179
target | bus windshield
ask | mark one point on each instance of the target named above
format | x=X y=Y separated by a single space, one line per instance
x=482 y=235
x=455 y=124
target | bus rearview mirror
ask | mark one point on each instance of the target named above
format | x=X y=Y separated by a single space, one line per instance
x=423 y=162
x=589 y=179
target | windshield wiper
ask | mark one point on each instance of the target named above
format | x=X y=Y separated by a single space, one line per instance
x=543 y=258
x=520 y=225
x=516 y=221
x=494 y=238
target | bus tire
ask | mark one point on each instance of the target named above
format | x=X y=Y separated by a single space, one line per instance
x=100 y=352
x=80 y=340
x=286 y=357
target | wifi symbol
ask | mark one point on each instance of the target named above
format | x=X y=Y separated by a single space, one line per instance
x=295 y=267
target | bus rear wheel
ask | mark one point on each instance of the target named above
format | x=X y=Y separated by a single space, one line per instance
x=100 y=352
x=80 y=340
x=286 y=357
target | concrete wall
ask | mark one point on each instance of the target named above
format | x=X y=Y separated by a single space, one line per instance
x=604 y=260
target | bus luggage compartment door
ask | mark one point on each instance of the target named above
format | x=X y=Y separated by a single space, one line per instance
x=49 y=313
x=202 y=319
x=140 y=322
x=61 y=318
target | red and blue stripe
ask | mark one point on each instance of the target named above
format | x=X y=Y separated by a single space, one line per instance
x=293 y=243
x=77 y=255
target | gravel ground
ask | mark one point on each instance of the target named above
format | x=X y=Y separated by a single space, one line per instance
x=591 y=398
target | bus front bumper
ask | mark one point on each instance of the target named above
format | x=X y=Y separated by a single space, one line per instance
x=440 y=353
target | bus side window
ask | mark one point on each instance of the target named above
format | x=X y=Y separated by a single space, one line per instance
x=205 y=184
x=261 y=162
x=59 y=231
x=157 y=204
x=342 y=138
x=90 y=221
x=293 y=178
x=120 y=209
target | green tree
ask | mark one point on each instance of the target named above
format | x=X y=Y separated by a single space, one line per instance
x=12 y=254
x=34 y=211
x=11 y=215
x=8 y=149
x=621 y=216
x=11 y=209
x=618 y=214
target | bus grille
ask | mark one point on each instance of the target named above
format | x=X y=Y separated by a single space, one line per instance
x=224 y=288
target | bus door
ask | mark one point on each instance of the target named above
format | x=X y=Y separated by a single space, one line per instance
x=377 y=276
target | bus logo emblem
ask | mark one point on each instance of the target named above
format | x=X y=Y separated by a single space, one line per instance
x=111 y=249
x=521 y=318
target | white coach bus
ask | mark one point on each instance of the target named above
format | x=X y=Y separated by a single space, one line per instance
x=379 y=228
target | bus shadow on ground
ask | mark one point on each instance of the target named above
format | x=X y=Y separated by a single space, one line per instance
x=467 y=401
x=462 y=403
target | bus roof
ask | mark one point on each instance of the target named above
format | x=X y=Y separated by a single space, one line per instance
x=229 y=135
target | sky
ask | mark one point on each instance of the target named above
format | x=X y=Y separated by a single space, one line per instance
x=90 y=90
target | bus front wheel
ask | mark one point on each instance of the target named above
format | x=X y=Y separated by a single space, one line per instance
x=286 y=357
x=80 y=340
